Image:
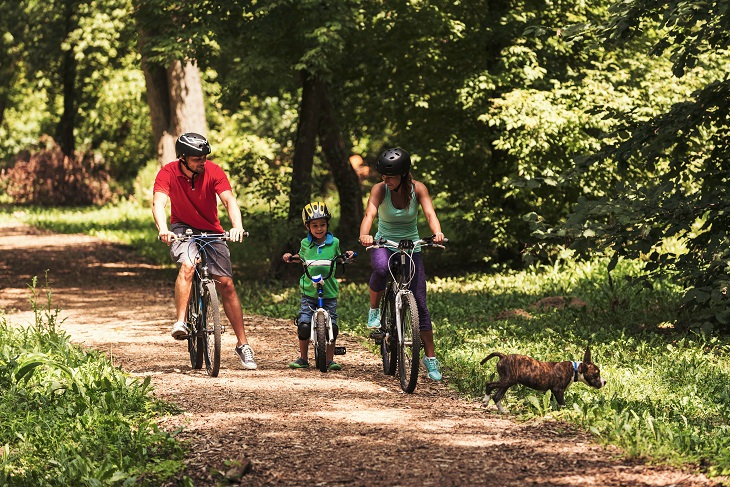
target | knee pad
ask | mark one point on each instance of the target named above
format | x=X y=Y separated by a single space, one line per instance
x=335 y=330
x=304 y=330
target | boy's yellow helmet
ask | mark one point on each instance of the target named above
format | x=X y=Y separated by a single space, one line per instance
x=314 y=210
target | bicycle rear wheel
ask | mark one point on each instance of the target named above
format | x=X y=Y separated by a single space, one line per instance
x=389 y=344
x=320 y=345
x=211 y=330
x=409 y=349
x=193 y=318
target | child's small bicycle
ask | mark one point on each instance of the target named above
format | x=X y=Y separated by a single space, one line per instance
x=399 y=333
x=322 y=334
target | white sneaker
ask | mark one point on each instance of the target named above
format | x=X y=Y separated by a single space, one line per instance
x=179 y=330
x=245 y=353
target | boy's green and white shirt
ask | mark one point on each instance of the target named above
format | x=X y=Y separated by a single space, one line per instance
x=309 y=250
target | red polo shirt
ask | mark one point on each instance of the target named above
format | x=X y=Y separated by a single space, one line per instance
x=198 y=206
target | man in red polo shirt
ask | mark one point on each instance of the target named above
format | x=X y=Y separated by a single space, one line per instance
x=191 y=184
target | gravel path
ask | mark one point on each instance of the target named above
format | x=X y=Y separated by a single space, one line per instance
x=352 y=427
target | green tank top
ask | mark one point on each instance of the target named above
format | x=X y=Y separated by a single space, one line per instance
x=397 y=224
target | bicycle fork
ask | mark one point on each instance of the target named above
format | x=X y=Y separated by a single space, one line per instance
x=398 y=307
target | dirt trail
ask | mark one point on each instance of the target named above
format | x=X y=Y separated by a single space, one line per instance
x=352 y=427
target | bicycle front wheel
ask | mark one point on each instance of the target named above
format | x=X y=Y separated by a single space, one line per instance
x=409 y=349
x=193 y=318
x=211 y=330
x=389 y=345
x=320 y=346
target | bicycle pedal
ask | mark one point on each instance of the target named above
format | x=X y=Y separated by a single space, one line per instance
x=340 y=350
x=377 y=335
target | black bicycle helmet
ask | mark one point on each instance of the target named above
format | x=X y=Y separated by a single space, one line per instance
x=394 y=162
x=192 y=144
x=314 y=210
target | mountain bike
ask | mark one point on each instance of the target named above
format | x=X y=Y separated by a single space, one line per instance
x=399 y=335
x=322 y=334
x=203 y=310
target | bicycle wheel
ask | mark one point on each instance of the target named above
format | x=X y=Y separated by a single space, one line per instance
x=320 y=345
x=409 y=349
x=389 y=344
x=193 y=318
x=211 y=330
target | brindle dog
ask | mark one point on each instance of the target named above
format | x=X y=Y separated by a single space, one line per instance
x=555 y=376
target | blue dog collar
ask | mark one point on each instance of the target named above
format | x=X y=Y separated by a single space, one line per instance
x=575 y=371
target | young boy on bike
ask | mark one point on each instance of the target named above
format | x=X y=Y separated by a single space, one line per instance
x=319 y=244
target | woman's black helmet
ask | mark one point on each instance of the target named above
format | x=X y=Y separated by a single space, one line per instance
x=192 y=144
x=394 y=162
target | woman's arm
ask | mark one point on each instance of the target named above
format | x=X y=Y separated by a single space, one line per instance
x=424 y=199
x=371 y=210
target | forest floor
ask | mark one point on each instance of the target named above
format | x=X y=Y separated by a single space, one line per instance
x=296 y=427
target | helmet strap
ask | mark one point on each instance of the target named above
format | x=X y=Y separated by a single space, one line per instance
x=184 y=162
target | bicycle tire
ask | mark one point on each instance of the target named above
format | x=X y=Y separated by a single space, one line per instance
x=389 y=344
x=211 y=330
x=409 y=349
x=320 y=345
x=193 y=318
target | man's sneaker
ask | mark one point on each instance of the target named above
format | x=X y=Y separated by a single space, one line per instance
x=245 y=353
x=432 y=366
x=374 y=318
x=179 y=330
x=299 y=363
x=332 y=365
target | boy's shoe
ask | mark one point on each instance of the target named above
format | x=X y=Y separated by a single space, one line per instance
x=332 y=365
x=432 y=366
x=179 y=330
x=374 y=318
x=245 y=353
x=299 y=363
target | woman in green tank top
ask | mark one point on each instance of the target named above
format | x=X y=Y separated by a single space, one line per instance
x=395 y=201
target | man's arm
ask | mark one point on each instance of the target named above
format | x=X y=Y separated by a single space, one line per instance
x=234 y=214
x=159 y=202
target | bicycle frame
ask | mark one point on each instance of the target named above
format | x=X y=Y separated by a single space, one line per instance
x=399 y=304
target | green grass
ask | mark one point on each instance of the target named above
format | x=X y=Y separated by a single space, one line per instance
x=71 y=418
x=668 y=392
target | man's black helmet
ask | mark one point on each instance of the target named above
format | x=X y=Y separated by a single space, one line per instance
x=192 y=144
x=394 y=162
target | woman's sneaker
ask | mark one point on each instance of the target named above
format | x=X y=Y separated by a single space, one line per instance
x=299 y=363
x=245 y=353
x=332 y=365
x=374 y=318
x=432 y=366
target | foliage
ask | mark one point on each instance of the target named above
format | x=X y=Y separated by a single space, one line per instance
x=46 y=177
x=670 y=178
x=71 y=417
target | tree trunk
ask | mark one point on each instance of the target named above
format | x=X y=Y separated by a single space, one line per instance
x=306 y=144
x=346 y=180
x=301 y=183
x=175 y=98
x=66 y=124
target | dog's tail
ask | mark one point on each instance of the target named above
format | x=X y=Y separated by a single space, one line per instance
x=492 y=355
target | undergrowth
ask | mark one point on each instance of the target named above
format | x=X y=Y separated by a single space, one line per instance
x=70 y=417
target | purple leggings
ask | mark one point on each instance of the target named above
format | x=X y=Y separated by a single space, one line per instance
x=380 y=276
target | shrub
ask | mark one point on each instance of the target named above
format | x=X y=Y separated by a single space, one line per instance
x=47 y=177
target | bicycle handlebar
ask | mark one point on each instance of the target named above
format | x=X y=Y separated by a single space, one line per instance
x=406 y=244
x=203 y=236
x=306 y=264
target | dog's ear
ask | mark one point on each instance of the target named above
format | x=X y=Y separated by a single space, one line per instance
x=587 y=356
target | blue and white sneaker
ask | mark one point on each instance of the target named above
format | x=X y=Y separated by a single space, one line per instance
x=432 y=366
x=374 y=318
